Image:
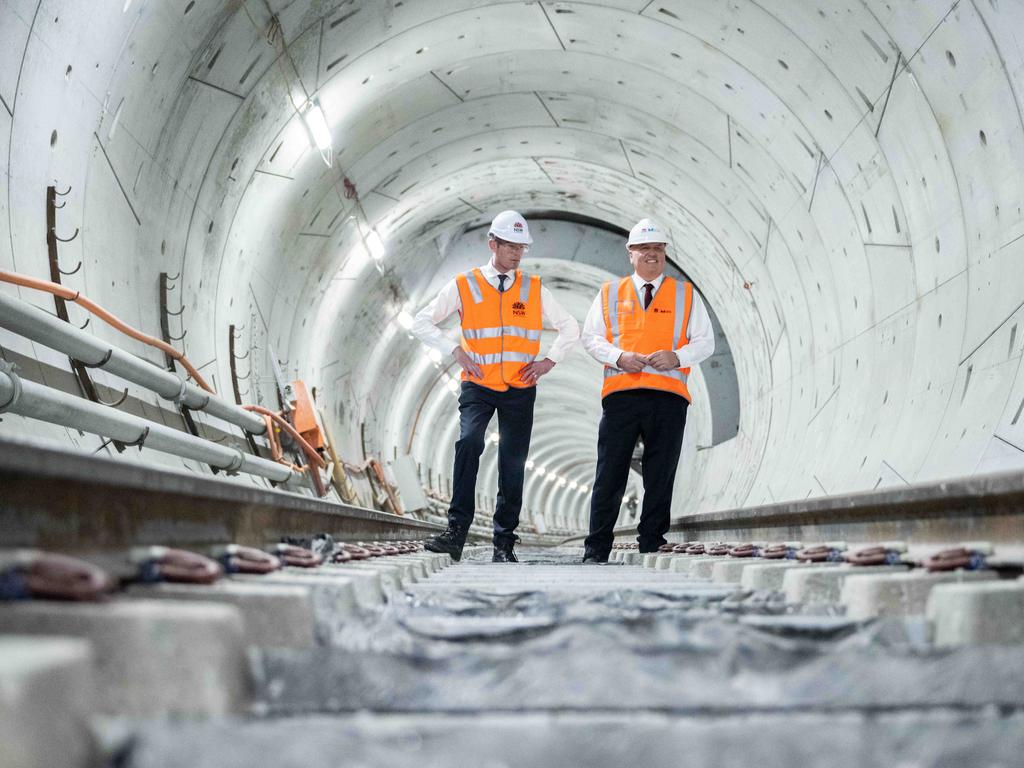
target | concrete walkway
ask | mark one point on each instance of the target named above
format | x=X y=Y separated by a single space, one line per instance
x=553 y=663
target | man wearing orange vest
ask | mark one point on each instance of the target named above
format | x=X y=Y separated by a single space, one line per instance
x=648 y=330
x=502 y=312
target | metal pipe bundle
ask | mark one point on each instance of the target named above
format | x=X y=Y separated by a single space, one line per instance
x=35 y=401
x=38 y=326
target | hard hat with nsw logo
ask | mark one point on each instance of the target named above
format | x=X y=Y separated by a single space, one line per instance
x=647 y=231
x=510 y=226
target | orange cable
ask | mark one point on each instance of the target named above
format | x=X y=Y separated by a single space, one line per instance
x=311 y=454
x=275 y=446
x=75 y=296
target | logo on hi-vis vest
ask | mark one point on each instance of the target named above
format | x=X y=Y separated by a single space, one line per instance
x=519 y=309
x=660 y=311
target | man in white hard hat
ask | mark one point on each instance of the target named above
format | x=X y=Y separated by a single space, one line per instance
x=648 y=330
x=502 y=312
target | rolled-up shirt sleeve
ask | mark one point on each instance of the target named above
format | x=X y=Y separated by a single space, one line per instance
x=425 y=323
x=565 y=324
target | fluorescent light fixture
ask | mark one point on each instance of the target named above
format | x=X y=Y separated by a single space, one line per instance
x=375 y=245
x=316 y=121
x=540 y=471
x=583 y=489
x=453 y=386
x=434 y=355
x=529 y=463
x=404 y=319
x=493 y=437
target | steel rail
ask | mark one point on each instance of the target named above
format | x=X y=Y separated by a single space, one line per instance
x=43 y=328
x=986 y=507
x=36 y=401
x=63 y=500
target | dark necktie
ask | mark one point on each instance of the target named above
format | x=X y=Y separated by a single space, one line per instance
x=648 y=294
x=501 y=283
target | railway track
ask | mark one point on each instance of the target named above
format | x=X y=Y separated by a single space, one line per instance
x=765 y=636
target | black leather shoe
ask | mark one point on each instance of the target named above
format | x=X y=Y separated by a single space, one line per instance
x=590 y=557
x=450 y=541
x=504 y=552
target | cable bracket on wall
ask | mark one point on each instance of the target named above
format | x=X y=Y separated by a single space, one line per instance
x=166 y=287
x=141 y=441
x=73 y=271
x=80 y=370
x=117 y=403
x=103 y=361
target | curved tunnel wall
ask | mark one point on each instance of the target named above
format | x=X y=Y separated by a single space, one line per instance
x=842 y=182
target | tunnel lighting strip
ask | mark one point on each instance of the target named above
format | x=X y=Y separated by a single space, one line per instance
x=316 y=123
x=43 y=328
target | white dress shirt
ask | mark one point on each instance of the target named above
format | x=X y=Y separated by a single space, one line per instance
x=699 y=330
x=447 y=302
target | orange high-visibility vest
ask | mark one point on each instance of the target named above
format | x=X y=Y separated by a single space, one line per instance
x=500 y=331
x=631 y=328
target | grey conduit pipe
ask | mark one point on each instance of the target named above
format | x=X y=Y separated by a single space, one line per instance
x=41 y=327
x=35 y=401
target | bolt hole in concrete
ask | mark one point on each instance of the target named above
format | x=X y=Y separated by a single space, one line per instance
x=551 y=663
x=53 y=138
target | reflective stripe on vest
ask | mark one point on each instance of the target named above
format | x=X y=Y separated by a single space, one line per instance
x=500 y=331
x=663 y=325
x=493 y=333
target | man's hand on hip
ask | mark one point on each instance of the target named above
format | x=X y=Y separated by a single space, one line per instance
x=663 y=360
x=631 y=362
x=533 y=371
x=462 y=358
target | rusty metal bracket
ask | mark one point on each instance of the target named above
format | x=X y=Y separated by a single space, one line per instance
x=141 y=441
x=80 y=370
x=118 y=402
x=232 y=359
x=100 y=363
x=73 y=271
x=165 y=332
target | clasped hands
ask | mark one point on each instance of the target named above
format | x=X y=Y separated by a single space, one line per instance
x=662 y=360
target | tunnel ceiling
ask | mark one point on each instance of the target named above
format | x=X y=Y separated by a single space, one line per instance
x=841 y=180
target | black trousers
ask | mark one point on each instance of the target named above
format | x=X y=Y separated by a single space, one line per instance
x=515 y=424
x=659 y=418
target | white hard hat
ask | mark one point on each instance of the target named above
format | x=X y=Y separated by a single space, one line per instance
x=510 y=226
x=646 y=231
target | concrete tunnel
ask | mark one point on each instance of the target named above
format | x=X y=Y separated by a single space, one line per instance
x=274 y=188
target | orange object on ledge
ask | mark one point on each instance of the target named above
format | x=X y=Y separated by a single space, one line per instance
x=304 y=416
